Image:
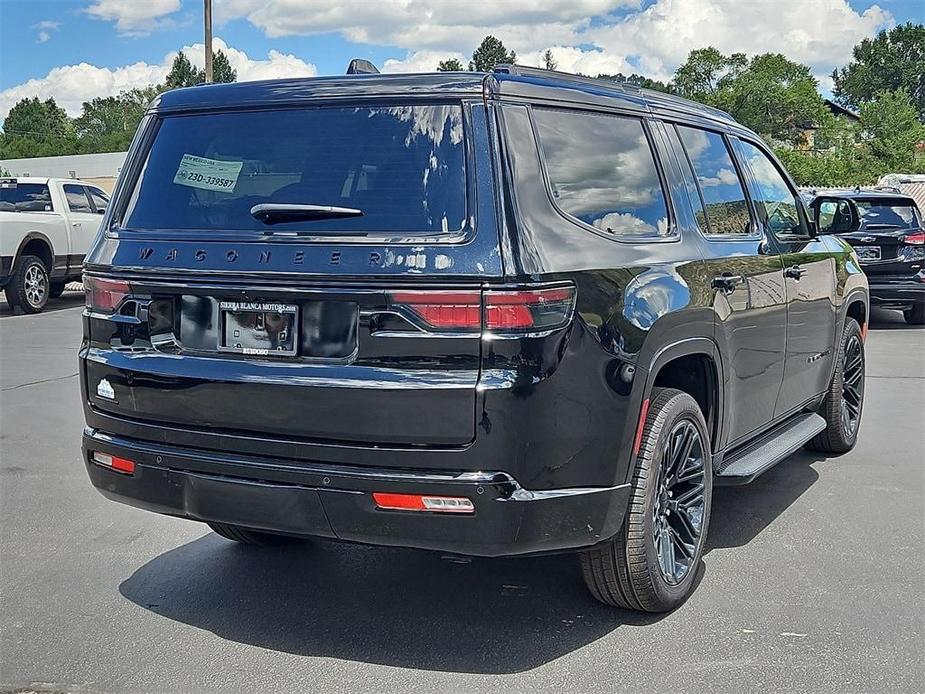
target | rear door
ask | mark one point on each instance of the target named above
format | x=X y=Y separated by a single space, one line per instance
x=809 y=276
x=749 y=299
x=361 y=327
x=84 y=221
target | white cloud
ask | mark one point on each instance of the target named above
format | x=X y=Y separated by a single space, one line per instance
x=820 y=33
x=134 y=17
x=423 y=24
x=587 y=62
x=422 y=61
x=45 y=29
x=71 y=85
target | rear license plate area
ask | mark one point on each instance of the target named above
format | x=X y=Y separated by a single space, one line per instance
x=868 y=252
x=262 y=329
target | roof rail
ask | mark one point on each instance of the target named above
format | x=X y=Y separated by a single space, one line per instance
x=527 y=71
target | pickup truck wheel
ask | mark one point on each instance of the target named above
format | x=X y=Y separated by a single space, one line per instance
x=845 y=400
x=29 y=286
x=652 y=563
x=57 y=289
x=915 y=315
x=246 y=536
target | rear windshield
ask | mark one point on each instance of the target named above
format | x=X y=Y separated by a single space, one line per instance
x=403 y=167
x=25 y=197
x=899 y=214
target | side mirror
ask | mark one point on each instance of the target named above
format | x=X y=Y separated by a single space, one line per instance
x=833 y=215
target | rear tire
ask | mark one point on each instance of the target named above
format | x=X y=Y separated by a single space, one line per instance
x=28 y=288
x=246 y=536
x=915 y=315
x=844 y=401
x=653 y=562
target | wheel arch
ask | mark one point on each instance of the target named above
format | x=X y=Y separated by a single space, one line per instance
x=37 y=244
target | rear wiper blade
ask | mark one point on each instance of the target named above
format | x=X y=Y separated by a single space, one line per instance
x=275 y=213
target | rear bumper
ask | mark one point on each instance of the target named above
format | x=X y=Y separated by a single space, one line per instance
x=336 y=501
x=896 y=294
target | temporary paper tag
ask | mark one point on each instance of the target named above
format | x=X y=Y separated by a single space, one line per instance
x=208 y=174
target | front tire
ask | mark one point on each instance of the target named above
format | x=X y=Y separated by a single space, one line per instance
x=844 y=401
x=915 y=315
x=652 y=563
x=29 y=286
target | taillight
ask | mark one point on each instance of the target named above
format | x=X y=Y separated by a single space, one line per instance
x=529 y=310
x=443 y=310
x=916 y=239
x=497 y=311
x=104 y=295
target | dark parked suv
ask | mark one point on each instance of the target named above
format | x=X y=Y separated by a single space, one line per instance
x=486 y=314
x=888 y=233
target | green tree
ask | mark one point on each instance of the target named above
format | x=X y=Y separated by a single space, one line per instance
x=892 y=60
x=221 y=69
x=42 y=119
x=892 y=130
x=549 y=62
x=35 y=128
x=107 y=124
x=702 y=75
x=490 y=52
x=773 y=96
x=183 y=73
x=450 y=65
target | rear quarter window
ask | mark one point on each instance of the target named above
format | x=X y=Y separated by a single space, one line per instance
x=25 y=197
x=403 y=166
x=602 y=172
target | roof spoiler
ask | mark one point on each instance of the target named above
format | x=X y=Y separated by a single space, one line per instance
x=361 y=66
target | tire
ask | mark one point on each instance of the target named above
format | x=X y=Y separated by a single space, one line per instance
x=915 y=315
x=29 y=286
x=57 y=289
x=627 y=571
x=246 y=536
x=844 y=401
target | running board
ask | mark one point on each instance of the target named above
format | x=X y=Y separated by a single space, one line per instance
x=745 y=464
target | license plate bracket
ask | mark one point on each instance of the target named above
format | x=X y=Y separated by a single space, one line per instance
x=259 y=328
x=868 y=252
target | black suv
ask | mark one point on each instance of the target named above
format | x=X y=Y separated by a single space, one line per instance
x=888 y=234
x=486 y=314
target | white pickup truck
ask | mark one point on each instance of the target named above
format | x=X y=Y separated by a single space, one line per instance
x=46 y=227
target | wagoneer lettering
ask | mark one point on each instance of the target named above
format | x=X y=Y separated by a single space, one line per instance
x=486 y=314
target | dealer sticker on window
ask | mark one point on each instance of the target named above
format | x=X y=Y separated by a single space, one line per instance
x=208 y=174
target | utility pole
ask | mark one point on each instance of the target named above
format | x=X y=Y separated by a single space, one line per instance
x=208 y=30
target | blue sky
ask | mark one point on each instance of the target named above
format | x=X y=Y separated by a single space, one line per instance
x=77 y=49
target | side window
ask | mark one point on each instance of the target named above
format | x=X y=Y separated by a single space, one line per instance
x=24 y=197
x=725 y=209
x=775 y=202
x=77 y=199
x=602 y=172
x=693 y=193
x=100 y=199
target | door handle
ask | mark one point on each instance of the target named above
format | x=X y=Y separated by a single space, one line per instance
x=727 y=283
x=76 y=225
x=794 y=272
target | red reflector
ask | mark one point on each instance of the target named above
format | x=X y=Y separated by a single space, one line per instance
x=418 y=502
x=864 y=332
x=115 y=462
x=104 y=295
x=643 y=412
x=917 y=239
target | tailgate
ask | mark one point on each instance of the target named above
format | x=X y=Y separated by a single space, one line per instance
x=361 y=372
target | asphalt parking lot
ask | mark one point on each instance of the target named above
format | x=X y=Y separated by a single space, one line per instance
x=813 y=582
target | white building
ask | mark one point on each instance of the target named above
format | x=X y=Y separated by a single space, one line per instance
x=102 y=169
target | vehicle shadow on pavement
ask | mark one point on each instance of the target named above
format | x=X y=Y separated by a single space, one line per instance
x=883 y=319
x=741 y=513
x=403 y=608
x=414 y=609
x=65 y=301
